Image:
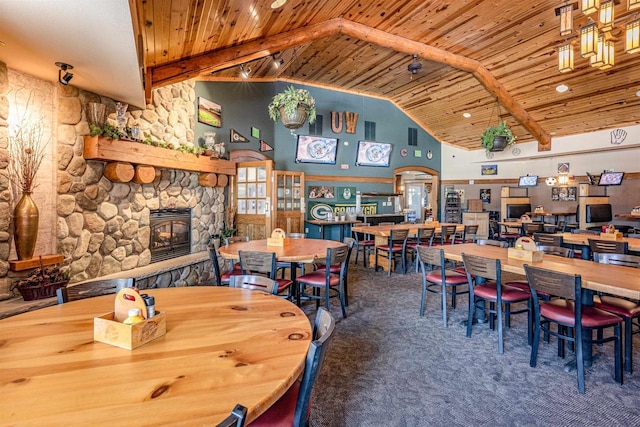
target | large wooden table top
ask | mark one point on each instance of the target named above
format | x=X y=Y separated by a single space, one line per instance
x=583 y=239
x=298 y=250
x=223 y=347
x=612 y=279
x=385 y=230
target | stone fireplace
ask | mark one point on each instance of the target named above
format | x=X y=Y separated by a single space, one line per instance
x=170 y=233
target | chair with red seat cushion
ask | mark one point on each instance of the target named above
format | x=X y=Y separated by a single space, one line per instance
x=424 y=237
x=331 y=283
x=628 y=310
x=364 y=243
x=292 y=409
x=447 y=233
x=222 y=278
x=466 y=235
x=436 y=278
x=493 y=291
x=570 y=314
x=263 y=263
x=508 y=233
x=397 y=245
x=335 y=269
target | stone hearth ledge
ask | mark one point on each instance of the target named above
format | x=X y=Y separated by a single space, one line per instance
x=17 y=305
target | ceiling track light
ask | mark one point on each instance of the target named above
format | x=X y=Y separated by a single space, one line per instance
x=277 y=62
x=414 y=67
x=67 y=75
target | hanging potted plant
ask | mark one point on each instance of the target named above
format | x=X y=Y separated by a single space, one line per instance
x=497 y=138
x=293 y=106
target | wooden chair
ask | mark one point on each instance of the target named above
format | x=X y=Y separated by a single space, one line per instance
x=335 y=268
x=282 y=266
x=438 y=278
x=608 y=247
x=397 y=245
x=467 y=235
x=493 y=291
x=292 y=409
x=331 y=283
x=492 y=242
x=222 y=278
x=571 y=316
x=424 y=237
x=447 y=234
x=548 y=239
x=508 y=233
x=236 y=418
x=530 y=228
x=93 y=288
x=264 y=264
x=364 y=243
x=253 y=282
x=627 y=309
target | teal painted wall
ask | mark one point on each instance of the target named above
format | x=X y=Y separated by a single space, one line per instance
x=245 y=105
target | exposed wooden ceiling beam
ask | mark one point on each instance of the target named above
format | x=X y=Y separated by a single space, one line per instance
x=225 y=58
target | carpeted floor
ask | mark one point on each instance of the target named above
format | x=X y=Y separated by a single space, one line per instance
x=387 y=366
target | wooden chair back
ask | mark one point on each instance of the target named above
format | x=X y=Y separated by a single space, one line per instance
x=608 y=246
x=430 y=256
x=554 y=283
x=425 y=236
x=257 y=262
x=556 y=250
x=447 y=233
x=93 y=288
x=491 y=242
x=398 y=237
x=253 y=282
x=469 y=233
x=548 y=239
x=618 y=259
x=482 y=267
x=233 y=239
x=529 y=228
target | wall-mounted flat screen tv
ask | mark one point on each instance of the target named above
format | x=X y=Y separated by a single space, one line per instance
x=373 y=153
x=316 y=149
x=611 y=178
x=528 y=181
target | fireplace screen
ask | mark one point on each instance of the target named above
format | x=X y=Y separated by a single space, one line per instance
x=170 y=233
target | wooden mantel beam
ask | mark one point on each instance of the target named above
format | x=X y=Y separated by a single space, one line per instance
x=236 y=55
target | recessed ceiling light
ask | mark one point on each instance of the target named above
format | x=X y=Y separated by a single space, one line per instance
x=277 y=3
x=638 y=93
x=562 y=88
x=466 y=115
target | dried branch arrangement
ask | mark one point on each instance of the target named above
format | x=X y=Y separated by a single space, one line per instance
x=27 y=149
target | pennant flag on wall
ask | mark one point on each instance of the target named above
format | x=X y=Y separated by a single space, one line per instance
x=236 y=137
x=265 y=147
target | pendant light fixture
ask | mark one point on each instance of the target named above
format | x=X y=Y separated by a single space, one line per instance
x=590 y=6
x=632 y=30
x=566 y=18
x=606 y=16
x=588 y=40
x=565 y=58
x=633 y=4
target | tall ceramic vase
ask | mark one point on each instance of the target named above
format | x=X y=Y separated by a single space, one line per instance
x=25 y=223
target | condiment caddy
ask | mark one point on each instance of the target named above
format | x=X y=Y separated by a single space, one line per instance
x=110 y=329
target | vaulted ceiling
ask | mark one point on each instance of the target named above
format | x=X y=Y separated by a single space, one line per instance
x=472 y=53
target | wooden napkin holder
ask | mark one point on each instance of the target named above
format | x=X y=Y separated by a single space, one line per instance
x=109 y=328
x=278 y=238
x=617 y=236
x=525 y=255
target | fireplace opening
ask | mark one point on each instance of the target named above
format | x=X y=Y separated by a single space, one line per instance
x=170 y=233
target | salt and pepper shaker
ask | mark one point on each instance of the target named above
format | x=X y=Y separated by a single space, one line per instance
x=150 y=303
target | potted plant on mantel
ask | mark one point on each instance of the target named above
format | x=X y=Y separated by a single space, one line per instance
x=293 y=106
x=497 y=138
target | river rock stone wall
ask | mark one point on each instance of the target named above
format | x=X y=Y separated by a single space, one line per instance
x=5 y=191
x=103 y=227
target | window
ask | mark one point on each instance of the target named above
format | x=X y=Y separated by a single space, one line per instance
x=315 y=128
x=370 y=131
x=413 y=137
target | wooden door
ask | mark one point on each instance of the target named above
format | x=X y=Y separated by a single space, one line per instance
x=289 y=203
x=252 y=197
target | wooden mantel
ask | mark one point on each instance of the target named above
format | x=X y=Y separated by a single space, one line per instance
x=114 y=150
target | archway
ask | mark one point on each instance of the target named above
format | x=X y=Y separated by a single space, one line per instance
x=409 y=178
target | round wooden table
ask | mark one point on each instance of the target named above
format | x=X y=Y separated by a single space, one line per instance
x=223 y=347
x=297 y=250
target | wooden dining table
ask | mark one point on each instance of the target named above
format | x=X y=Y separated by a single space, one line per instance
x=295 y=251
x=582 y=240
x=382 y=232
x=223 y=346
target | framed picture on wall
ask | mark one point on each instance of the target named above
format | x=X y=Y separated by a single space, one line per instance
x=488 y=169
x=209 y=112
x=563 y=194
x=485 y=195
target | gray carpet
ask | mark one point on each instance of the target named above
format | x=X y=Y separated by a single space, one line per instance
x=387 y=366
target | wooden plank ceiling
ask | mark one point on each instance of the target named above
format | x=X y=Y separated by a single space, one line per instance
x=508 y=51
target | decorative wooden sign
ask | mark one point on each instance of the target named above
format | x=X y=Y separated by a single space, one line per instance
x=336 y=127
x=352 y=121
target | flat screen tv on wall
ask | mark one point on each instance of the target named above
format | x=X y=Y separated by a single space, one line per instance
x=611 y=178
x=373 y=153
x=316 y=149
x=528 y=181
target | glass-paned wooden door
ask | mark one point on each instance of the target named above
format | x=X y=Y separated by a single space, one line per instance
x=289 y=201
x=252 y=196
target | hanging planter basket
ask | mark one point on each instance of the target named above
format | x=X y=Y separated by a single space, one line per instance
x=499 y=143
x=296 y=119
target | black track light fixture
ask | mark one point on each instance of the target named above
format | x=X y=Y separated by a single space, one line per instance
x=67 y=75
